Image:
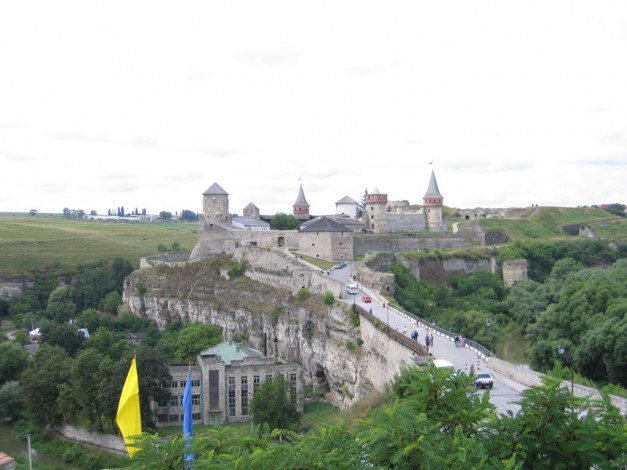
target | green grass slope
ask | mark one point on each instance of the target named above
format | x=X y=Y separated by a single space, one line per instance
x=543 y=223
x=51 y=242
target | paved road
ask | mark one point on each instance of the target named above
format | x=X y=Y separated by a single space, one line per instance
x=505 y=391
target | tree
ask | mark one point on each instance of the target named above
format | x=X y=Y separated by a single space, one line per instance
x=11 y=400
x=271 y=405
x=616 y=209
x=64 y=336
x=13 y=360
x=194 y=338
x=60 y=306
x=40 y=384
x=111 y=302
x=165 y=215
x=282 y=221
x=189 y=215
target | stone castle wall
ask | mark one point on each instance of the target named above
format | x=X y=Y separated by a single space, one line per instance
x=410 y=242
x=396 y=223
x=286 y=272
x=514 y=270
x=332 y=246
x=215 y=242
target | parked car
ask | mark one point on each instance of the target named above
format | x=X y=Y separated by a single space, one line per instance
x=340 y=265
x=366 y=299
x=484 y=380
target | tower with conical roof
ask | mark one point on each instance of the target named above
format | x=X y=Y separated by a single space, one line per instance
x=376 y=205
x=215 y=204
x=301 y=207
x=433 y=202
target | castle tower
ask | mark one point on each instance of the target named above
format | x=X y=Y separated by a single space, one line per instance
x=433 y=202
x=215 y=204
x=374 y=215
x=251 y=211
x=301 y=207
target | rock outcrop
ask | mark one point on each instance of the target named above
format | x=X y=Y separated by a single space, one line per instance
x=272 y=320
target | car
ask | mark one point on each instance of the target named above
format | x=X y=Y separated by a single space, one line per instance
x=340 y=265
x=483 y=380
x=366 y=299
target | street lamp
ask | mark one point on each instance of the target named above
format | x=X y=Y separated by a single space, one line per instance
x=562 y=349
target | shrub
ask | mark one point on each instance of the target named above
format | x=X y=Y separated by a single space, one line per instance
x=350 y=346
x=329 y=299
x=360 y=342
x=303 y=294
x=237 y=270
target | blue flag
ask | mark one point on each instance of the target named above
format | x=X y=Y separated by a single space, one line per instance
x=188 y=429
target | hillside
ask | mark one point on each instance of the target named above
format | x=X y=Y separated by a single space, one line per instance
x=545 y=223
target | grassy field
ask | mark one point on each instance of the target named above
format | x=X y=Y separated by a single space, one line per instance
x=52 y=242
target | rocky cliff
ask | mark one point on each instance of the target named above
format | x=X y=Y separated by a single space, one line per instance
x=272 y=320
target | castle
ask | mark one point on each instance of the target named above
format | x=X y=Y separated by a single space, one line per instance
x=328 y=237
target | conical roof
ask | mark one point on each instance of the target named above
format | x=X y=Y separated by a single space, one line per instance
x=432 y=191
x=300 y=200
x=251 y=206
x=215 y=188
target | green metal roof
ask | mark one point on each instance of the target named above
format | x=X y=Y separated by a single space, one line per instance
x=231 y=351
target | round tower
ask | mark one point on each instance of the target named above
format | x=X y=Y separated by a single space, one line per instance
x=433 y=202
x=374 y=215
x=215 y=204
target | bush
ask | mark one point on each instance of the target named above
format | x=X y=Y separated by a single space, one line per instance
x=303 y=294
x=360 y=342
x=329 y=299
x=237 y=270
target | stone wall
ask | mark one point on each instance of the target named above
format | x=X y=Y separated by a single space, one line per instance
x=332 y=246
x=514 y=270
x=107 y=442
x=381 y=282
x=405 y=222
x=215 y=242
x=410 y=242
x=286 y=271
x=494 y=237
x=177 y=258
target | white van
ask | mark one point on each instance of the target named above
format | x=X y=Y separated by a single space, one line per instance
x=442 y=364
x=351 y=289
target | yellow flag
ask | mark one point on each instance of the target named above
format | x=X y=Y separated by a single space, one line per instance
x=128 y=417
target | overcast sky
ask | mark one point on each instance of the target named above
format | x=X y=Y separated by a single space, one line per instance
x=146 y=103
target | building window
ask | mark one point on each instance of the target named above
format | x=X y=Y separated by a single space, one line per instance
x=173 y=384
x=256 y=383
x=195 y=399
x=231 y=396
x=163 y=403
x=196 y=416
x=244 y=390
x=173 y=418
x=293 y=388
x=195 y=383
x=162 y=418
x=174 y=401
x=214 y=389
x=269 y=377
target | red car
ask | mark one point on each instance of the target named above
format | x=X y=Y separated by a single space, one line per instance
x=366 y=299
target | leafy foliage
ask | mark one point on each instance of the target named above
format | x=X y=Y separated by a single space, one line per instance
x=272 y=404
x=282 y=221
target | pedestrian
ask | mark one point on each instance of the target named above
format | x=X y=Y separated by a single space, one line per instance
x=405 y=330
x=431 y=340
x=427 y=341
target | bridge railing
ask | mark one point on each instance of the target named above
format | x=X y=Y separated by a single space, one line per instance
x=441 y=331
x=401 y=338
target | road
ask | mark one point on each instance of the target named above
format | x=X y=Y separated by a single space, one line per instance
x=505 y=391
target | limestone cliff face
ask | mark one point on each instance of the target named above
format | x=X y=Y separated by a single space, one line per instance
x=265 y=318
